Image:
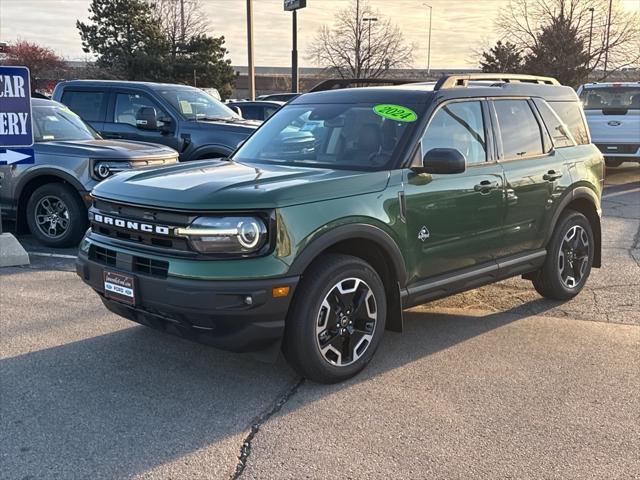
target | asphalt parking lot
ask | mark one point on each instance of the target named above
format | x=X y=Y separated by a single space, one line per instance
x=493 y=383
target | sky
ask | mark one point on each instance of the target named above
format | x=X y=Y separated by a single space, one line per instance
x=460 y=27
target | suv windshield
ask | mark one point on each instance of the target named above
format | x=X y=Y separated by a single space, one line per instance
x=195 y=104
x=610 y=97
x=348 y=137
x=56 y=122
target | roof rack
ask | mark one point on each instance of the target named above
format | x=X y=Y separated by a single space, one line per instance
x=339 y=83
x=452 y=81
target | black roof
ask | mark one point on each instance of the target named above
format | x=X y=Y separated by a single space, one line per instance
x=124 y=83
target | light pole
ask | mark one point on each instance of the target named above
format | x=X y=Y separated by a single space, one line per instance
x=251 y=72
x=369 y=20
x=429 y=44
x=606 y=52
x=590 y=38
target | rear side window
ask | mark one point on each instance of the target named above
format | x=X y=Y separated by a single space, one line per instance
x=571 y=114
x=519 y=129
x=558 y=130
x=87 y=105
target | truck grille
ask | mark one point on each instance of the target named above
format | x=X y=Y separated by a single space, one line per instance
x=130 y=217
x=625 y=148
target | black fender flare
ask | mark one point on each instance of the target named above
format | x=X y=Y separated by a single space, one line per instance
x=349 y=232
x=365 y=232
x=47 y=172
x=211 y=149
x=581 y=193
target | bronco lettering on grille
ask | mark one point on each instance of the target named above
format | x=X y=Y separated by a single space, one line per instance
x=131 y=225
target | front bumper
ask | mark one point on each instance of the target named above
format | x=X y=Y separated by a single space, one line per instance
x=213 y=312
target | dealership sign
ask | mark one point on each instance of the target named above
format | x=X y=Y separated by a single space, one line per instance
x=16 y=129
x=290 y=5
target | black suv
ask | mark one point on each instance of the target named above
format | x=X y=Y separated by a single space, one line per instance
x=184 y=118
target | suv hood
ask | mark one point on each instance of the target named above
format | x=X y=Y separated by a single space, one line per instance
x=221 y=185
x=105 y=149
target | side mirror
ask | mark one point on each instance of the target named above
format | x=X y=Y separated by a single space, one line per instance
x=237 y=110
x=442 y=161
x=146 y=119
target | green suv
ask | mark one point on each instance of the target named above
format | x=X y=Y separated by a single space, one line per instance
x=347 y=207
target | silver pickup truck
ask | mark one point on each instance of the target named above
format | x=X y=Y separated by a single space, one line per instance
x=613 y=115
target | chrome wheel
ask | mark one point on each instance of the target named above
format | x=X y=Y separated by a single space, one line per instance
x=346 y=322
x=573 y=258
x=52 y=216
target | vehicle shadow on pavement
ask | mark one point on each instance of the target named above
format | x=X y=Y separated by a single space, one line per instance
x=124 y=403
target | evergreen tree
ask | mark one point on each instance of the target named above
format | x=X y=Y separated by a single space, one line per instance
x=502 y=58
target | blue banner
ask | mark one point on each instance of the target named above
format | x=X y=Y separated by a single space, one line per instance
x=15 y=107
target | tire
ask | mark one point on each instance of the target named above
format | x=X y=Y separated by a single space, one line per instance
x=56 y=215
x=569 y=258
x=306 y=346
x=612 y=163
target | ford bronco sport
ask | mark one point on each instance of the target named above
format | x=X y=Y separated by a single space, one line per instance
x=348 y=206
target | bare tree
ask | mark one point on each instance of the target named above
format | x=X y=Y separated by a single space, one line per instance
x=354 y=48
x=180 y=21
x=522 y=21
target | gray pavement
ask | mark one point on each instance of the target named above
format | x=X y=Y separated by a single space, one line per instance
x=494 y=383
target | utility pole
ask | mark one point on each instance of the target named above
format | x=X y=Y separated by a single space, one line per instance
x=251 y=72
x=294 y=52
x=606 y=52
x=429 y=44
x=357 y=65
x=182 y=29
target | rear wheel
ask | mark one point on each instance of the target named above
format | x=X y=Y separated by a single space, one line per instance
x=337 y=319
x=56 y=215
x=569 y=258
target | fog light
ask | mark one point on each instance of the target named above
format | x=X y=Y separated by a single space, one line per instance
x=279 y=292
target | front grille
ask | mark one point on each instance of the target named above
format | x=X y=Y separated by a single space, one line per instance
x=141 y=215
x=625 y=148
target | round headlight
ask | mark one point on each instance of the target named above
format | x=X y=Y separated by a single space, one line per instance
x=248 y=233
x=102 y=170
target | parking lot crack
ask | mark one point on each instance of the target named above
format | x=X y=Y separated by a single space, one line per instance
x=245 y=449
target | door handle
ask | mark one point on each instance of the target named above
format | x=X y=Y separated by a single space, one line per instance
x=486 y=186
x=111 y=135
x=551 y=176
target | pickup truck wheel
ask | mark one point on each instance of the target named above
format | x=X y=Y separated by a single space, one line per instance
x=569 y=258
x=336 y=320
x=56 y=215
x=611 y=162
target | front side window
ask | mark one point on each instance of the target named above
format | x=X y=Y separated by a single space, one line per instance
x=519 y=129
x=87 y=104
x=459 y=126
x=340 y=136
x=195 y=104
x=52 y=123
x=129 y=105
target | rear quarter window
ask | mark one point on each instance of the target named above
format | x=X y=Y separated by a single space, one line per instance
x=86 y=104
x=558 y=130
x=571 y=114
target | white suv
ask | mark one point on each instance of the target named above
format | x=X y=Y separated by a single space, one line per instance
x=613 y=115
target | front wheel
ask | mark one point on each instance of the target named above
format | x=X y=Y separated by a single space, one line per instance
x=612 y=162
x=56 y=215
x=336 y=320
x=569 y=258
